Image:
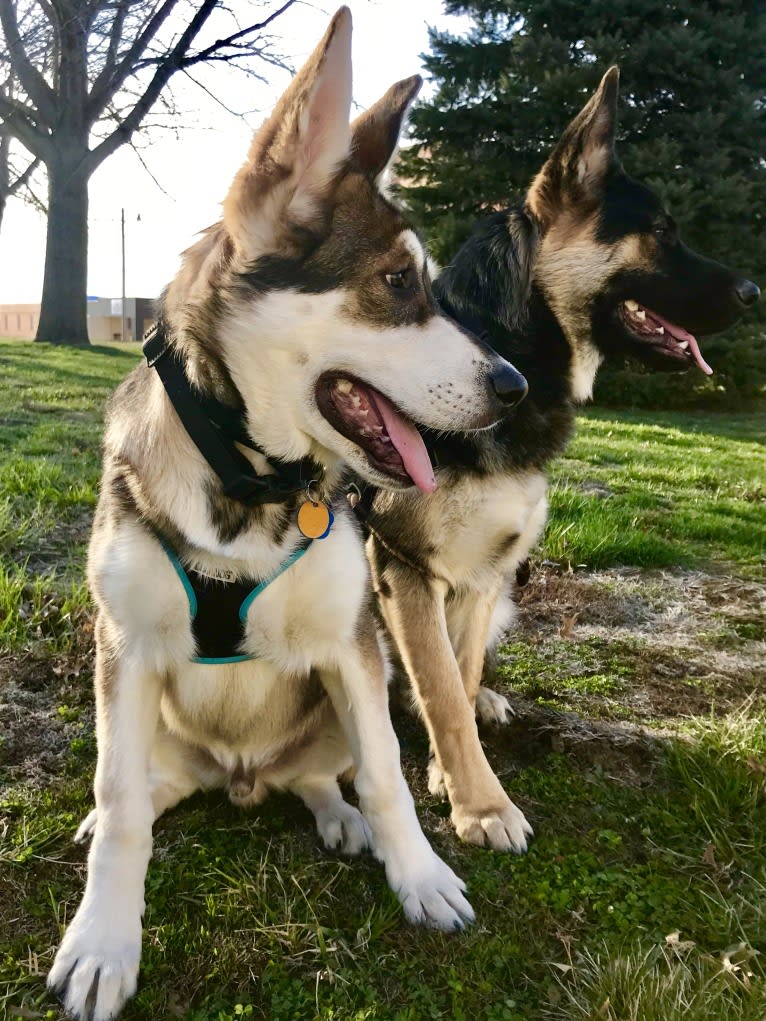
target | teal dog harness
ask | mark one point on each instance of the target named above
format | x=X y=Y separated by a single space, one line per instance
x=218 y=607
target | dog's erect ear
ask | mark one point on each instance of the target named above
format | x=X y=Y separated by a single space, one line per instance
x=375 y=133
x=295 y=155
x=577 y=169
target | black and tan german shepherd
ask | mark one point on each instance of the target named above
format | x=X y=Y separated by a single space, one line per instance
x=589 y=265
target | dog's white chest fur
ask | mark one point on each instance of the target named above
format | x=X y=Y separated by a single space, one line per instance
x=487 y=527
x=299 y=621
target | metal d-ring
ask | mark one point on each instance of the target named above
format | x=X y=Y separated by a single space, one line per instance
x=315 y=499
x=353 y=494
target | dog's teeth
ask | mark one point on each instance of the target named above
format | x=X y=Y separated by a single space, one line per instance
x=660 y=329
x=640 y=314
x=684 y=345
x=631 y=306
x=345 y=386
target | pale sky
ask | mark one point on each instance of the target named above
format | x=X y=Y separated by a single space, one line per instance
x=196 y=167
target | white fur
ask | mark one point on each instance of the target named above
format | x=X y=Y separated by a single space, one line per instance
x=492 y=707
x=586 y=359
x=412 y=243
x=430 y=372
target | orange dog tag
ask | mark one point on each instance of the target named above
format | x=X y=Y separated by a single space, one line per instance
x=314 y=519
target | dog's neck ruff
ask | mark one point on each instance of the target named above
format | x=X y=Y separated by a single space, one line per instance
x=215 y=429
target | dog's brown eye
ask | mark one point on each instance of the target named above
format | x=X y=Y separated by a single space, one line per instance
x=403 y=278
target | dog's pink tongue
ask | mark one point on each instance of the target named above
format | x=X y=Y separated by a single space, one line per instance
x=409 y=444
x=681 y=334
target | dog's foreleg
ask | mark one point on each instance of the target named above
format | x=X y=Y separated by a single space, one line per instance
x=414 y=609
x=96 y=967
x=429 y=890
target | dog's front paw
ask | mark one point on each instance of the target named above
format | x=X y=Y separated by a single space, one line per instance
x=96 y=967
x=503 y=829
x=492 y=708
x=343 y=828
x=431 y=894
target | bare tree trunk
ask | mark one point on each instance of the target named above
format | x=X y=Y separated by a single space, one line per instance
x=63 y=311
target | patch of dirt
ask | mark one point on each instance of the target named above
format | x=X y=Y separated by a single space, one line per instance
x=46 y=705
x=677 y=643
x=49 y=551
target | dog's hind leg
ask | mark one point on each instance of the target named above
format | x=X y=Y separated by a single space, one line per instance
x=96 y=967
x=468 y=624
x=312 y=776
x=341 y=826
x=429 y=890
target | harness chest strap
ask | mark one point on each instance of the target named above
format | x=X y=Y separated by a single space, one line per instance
x=218 y=607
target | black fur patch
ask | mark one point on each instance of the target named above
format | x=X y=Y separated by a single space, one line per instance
x=489 y=287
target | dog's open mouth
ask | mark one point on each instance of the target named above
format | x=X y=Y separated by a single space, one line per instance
x=390 y=441
x=673 y=341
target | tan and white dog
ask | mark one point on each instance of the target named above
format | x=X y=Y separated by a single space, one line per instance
x=588 y=265
x=307 y=312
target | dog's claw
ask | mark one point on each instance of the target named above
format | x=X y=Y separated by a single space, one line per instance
x=434 y=896
x=506 y=829
x=86 y=828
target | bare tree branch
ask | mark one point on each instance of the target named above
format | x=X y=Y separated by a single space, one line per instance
x=36 y=87
x=164 y=72
x=17 y=120
x=77 y=79
x=220 y=44
x=110 y=81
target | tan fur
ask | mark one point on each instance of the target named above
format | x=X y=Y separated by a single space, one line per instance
x=572 y=267
x=441 y=567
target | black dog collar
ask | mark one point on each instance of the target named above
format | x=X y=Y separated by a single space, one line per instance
x=215 y=428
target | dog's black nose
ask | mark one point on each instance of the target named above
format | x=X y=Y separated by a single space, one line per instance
x=508 y=384
x=747 y=292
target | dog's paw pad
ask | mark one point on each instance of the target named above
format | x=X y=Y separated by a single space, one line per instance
x=492 y=707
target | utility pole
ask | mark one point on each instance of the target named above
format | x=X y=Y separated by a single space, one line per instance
x=123 y=338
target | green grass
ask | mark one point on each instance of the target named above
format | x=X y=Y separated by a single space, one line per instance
x=51 y=412
x=660 y=490
x=639 y=838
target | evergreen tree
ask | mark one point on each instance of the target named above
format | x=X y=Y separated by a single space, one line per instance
x=692 y=111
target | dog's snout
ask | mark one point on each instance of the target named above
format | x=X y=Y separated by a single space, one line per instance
x=508 y=385
x=747 y=292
